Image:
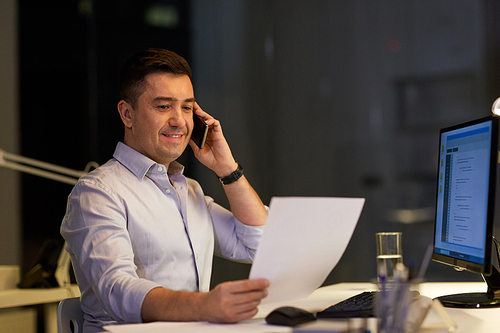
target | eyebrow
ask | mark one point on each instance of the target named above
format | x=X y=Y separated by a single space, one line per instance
x=171 y=99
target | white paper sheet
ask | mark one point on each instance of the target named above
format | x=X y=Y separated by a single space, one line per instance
x=304 y=239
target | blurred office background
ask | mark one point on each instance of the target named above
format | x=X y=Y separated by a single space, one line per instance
x=317 y=98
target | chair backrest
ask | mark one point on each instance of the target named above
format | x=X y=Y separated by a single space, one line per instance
x=70 y=316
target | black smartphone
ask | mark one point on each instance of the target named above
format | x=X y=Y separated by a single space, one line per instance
x=200 y=130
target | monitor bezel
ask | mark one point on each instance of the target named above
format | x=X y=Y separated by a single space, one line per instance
x=484 y=268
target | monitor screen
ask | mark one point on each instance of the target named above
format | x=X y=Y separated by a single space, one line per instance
x=466 y=195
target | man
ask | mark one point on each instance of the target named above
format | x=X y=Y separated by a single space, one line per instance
x=141 y=235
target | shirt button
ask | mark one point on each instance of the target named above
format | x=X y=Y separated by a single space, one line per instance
x=160 y=169
x=167 y=190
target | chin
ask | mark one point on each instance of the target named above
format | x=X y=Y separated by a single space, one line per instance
x=169 y=156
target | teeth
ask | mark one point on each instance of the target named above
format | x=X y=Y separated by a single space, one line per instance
x=174 y=136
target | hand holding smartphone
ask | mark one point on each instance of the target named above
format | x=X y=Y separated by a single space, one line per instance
x=200 y=131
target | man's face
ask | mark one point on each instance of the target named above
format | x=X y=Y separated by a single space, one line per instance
x=160 y=126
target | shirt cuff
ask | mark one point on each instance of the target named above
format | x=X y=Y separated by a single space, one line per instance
x=140 y=294
x=249 y=234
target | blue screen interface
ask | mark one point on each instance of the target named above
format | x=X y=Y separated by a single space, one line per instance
x=462 y=194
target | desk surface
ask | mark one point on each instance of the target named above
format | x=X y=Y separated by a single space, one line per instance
x=468 y=320
x=49 y=297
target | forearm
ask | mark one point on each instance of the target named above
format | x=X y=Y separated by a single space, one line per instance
x=245 y=203
x=228 y=302
x=162 y=304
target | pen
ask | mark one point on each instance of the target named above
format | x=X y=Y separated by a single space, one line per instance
x=382 y=303
x=451 y=326
x=425 y=262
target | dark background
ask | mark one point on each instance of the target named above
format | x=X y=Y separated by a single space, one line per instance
x=70 y=55
x=317 y=98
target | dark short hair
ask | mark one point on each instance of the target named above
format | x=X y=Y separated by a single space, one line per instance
x=139 y=65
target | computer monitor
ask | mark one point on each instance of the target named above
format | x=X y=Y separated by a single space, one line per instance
x=465 y=207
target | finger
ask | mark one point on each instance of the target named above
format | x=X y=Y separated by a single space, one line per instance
x=237 y=317
x=211 y=121
x=199 y=111
x=244 y=315
x=242 y=312
x=243 y=286
x=197 y=106
x=251 y=298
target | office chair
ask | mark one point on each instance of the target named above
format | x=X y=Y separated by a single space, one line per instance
x=70 y=316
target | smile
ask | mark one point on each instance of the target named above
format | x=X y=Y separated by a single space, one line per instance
x=173 y=135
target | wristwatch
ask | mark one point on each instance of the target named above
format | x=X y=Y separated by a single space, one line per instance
x=234 y=176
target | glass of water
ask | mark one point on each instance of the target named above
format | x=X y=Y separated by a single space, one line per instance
x=389 y=253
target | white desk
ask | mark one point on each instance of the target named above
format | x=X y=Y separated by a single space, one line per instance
x=468 y=320
x=49 y=297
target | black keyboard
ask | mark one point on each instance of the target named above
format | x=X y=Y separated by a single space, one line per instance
x=360 y=305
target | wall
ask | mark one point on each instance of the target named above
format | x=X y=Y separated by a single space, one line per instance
x=343 y=98
x=314 y=98
x=70 y=53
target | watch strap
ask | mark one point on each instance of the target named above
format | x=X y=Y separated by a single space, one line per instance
x=234 y=176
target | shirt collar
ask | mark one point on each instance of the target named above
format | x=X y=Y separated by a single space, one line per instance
x=139 y=164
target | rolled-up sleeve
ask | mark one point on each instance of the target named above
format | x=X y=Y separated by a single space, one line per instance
x=95 y=230
x=233 y=239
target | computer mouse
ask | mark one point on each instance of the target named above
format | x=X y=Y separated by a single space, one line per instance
x=289 y=316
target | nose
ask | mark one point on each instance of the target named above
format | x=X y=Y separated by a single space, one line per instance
x=176 y=118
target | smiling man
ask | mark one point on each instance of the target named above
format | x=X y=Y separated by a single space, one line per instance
x=160 y=123
x=140 y=234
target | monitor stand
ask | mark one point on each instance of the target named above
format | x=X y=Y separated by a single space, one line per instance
x=489 y=299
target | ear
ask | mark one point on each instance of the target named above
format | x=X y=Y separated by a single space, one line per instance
x=125 y=110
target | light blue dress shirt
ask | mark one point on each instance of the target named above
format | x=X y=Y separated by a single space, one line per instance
x=129 y=229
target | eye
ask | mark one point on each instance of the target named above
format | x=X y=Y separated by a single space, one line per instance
x=187 y=108
x=163 y=106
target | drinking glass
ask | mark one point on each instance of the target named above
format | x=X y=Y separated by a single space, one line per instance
x=389 y=253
